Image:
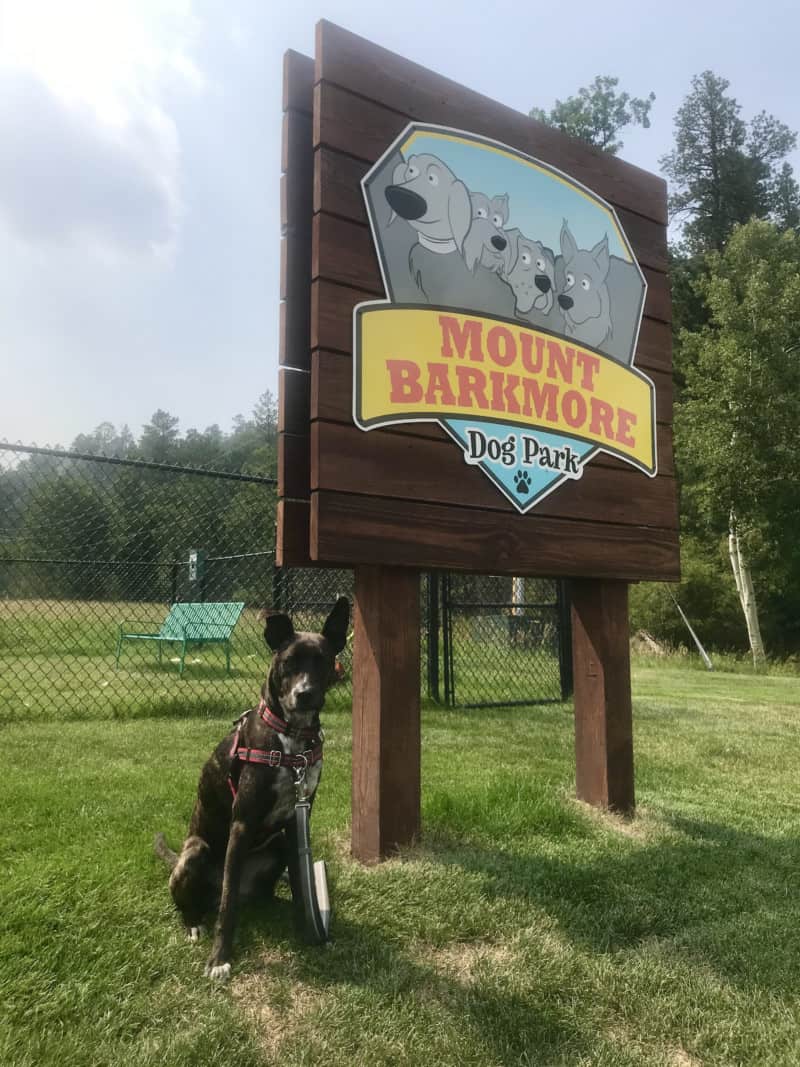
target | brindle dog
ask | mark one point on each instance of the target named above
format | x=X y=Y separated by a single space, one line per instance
x=242 y=831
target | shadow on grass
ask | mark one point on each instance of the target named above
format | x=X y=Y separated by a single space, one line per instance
x=715 y=896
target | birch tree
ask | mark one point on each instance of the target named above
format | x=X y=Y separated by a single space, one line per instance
x=738 y=427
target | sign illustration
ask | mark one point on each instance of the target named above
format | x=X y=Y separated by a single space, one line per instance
x=513 y=311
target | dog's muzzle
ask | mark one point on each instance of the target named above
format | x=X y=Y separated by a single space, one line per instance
x=565 y=302
x=543 y=284
x=405 y=202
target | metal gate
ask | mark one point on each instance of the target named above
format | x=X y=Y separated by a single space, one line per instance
x=498 y=641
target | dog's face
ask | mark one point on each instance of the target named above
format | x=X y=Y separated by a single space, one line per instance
x=533 y=274
x=585 y=272
x=426 y=193
x=303 y=664
x=487 y=243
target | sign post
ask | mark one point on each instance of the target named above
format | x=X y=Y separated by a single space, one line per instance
x=386 y=711
x=476 y=355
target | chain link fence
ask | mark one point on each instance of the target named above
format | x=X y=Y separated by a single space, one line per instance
x=100 y=555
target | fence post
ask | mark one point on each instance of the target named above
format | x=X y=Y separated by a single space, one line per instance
x=447 y=642
x=173 y=590
x=277 y=587
x=564 y=639
x=433 y=637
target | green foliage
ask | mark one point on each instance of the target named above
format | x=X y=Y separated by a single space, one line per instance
x=57 y=509
x=736 y=429
x=707 y=595
x=598 y=113
x=736 y=425
x=724 y=171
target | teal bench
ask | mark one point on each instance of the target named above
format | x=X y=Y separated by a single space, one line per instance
x=190 y=624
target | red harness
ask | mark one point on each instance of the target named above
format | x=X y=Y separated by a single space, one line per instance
x=273 y=757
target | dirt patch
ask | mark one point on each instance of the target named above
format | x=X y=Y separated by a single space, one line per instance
x=274 y=1001
x=463 y=961
x=643 y=826
x=679 y=1057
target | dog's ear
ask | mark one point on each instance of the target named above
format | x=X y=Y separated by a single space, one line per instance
x=569 y=248
x=335 y=629
x=500 y=206
x=600 y=256
x=398 y=174
x=512 y=251
x=471 y=251
x=278 y=631
x=459 y=213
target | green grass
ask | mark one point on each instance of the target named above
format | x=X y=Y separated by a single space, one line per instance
x=523 y=929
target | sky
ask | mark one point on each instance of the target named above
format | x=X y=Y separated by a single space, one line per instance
x=140 y=166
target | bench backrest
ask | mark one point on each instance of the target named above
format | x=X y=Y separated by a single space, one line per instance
x=216 y=619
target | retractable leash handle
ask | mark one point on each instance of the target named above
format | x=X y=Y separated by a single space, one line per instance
x=312 y=876
x=313 y=880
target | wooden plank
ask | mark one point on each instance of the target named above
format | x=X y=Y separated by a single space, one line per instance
x=294 y=465
x=298 y=81
x=345 y=60
x=337 y=191
x=332 y=325
x=386 y=712
x=343 y=252
x=292 y=539
x=413 y=468
x=602 y=680
x=294 y=400
x=296 y=146
x=349 y=529
x=332 y=387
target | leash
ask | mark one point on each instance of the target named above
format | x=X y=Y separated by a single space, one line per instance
x=313 y=876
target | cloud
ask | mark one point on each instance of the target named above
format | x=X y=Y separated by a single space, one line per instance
x=67 y=177
x=89 y=152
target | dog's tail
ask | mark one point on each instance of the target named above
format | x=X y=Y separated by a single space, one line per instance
x=164 y=852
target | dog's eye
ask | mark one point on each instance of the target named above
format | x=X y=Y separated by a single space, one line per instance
x=433 y=177
x=482 y=213
x=526 y=258
x=412 y=171
x=497 y=220
x=540 y=265
x=570 y=279
x=586 y=284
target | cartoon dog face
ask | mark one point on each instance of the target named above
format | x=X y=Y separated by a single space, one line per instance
x=532 y=275
x=487 y=243
x=426 y=193
x=584 y=295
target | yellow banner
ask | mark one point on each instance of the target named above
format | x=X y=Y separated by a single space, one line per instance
x=428 y=363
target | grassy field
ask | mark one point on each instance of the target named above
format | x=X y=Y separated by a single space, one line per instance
x=523 y=929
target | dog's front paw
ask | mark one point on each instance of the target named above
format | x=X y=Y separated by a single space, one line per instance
x=219 y=972
x=194 y=933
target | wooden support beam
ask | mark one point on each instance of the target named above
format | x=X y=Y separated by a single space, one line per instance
x=386 y=711
x=602 y=670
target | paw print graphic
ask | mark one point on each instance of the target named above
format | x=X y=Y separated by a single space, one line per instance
x=522 y=483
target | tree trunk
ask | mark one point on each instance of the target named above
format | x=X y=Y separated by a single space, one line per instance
x=747 y=596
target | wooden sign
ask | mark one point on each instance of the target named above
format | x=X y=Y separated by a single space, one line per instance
x=403 y=494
